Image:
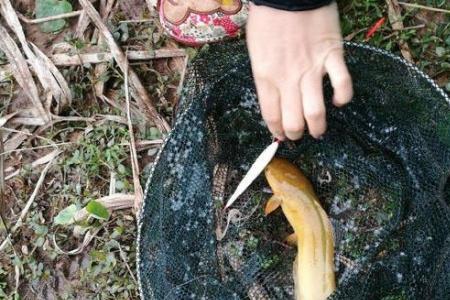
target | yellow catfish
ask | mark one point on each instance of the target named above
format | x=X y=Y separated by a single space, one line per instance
x=313 y=233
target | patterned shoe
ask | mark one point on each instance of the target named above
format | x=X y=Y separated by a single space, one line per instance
x=197 y=22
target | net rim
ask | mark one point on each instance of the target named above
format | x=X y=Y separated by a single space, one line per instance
x=177 y=123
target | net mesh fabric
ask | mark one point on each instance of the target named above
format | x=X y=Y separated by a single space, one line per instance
x=381 y=173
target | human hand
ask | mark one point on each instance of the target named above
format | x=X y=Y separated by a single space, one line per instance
x=290 y=53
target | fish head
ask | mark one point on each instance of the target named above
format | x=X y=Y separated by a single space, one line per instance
x=282 y=175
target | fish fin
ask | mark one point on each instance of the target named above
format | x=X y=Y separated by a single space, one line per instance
x=291 y=239
x=272 y=204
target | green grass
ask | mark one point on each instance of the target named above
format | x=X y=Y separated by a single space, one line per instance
x=429 y=45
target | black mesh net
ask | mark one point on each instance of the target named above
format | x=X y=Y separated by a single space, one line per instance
x=381 y=173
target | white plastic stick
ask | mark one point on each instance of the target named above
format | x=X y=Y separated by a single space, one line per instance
x=258 y=166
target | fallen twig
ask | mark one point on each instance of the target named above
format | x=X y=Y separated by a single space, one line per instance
x=100 y=69
x=350 y=36
x=413 y=5
x=63 y=59
x=413 y=27
x=50 y=18
x=32 y=121
x=123 y=257
x=141 y=145
x=102 y=57
x=137 y=21
x=112 y=183
x=2 y=188
x=138 y=192
x=82 y=26
x=138 y=91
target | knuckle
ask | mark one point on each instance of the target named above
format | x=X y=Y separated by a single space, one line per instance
x=293 y=80
x=261 y=74
x=263 y=71
x=318 y=133
x=315 y=115
x=272 y=120
x=342 y=97
x=343 y=81
x=294 y=128
x=294 y=136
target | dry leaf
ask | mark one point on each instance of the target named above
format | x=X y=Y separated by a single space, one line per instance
x=21 y=72
x=6 y=118
x=62 y=90
x=395 y=18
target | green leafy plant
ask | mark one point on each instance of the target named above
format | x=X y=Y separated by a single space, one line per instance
x=65 y=217
x=97 y=210
x=47 y=8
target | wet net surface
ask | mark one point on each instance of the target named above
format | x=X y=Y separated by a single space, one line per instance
x=381 y=173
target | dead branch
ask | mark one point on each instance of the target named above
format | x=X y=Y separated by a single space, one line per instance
x=66 y=60
x=100 y=69
x=82 y=26
x=138 y=192
x=50 y=18
x=413 y=5
x=102 y=57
